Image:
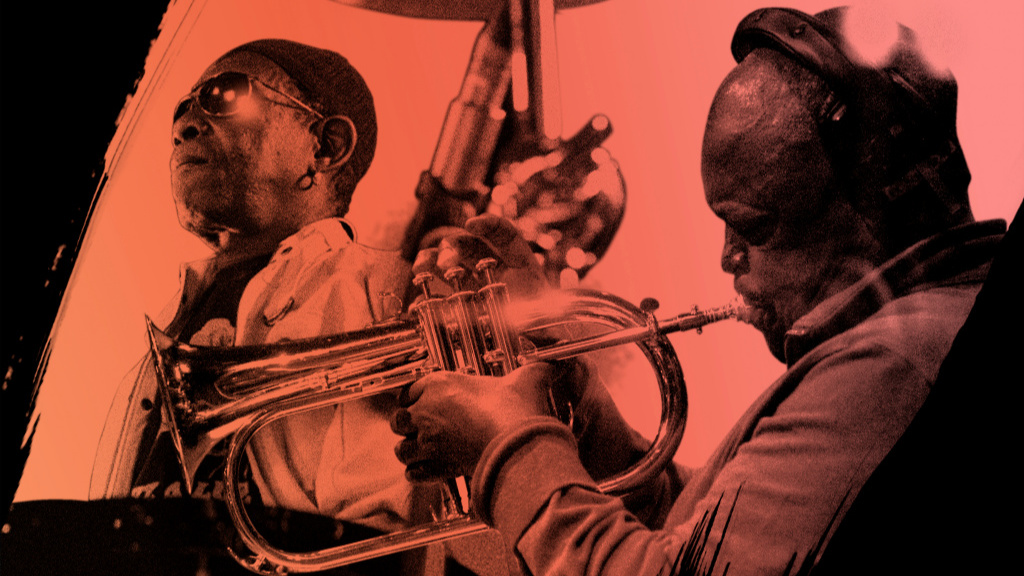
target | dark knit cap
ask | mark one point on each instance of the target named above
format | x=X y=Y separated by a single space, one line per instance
x=330 y=85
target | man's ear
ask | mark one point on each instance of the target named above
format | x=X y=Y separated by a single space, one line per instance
x=337 y=140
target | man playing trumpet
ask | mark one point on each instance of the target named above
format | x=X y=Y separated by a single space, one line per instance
x=849 y=234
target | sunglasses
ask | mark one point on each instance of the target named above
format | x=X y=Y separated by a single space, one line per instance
x=223 y=95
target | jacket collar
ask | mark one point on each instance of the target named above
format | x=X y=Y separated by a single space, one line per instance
x=336 y=233
x=958 y=255
x=198 y=275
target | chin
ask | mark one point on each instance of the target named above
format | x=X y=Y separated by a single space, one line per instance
x=199 y=225
x=774 y=333
x=776 y=345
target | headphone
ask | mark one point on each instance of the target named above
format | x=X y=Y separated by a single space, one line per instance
x=902 y=103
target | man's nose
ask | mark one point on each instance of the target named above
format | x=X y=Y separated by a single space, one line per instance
x=734 y=256
x=188 y=122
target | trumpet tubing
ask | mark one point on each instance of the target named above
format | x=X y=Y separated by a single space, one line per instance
x=210 y=392
x=214 y=388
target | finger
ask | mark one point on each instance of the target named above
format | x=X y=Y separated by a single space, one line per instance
x=423 y=472
x=504 y=236
x=421 y=461
x=401 y=423
x=406 y=398
x=426 y=261
x=433 y=238
x=465 y=249
x=498 y=230
x=411 y=393
x=409 y=452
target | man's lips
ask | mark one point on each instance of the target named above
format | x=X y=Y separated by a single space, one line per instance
x=756 y=310
x=189 y=160
x=750 y=301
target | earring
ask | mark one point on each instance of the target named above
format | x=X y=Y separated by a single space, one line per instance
x=309 y=179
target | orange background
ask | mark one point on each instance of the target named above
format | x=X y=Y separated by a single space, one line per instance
x=651 y=65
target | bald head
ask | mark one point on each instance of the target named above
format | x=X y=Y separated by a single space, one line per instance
x=791 y=237
x=822 y=168
x=887 y=126
x=763 y=144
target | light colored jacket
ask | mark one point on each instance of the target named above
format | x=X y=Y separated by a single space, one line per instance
x=335 y=461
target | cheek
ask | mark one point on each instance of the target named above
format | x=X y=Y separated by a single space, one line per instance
x=786 y=274
x=247 y=151
x=282 y=155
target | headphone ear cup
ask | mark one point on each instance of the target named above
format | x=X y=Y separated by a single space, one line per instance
x=890 y=130
x=837 y=137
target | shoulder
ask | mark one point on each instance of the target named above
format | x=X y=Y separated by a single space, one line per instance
x=367 y=265
x=885 y=365
x=382 y=276
x=319 y=282
x=387 y=277
x=918 y=328
x=325 y=252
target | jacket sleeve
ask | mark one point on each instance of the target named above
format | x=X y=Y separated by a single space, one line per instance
x=132 y=425
x=531 y=486
x=607 y=445
x=766 y=501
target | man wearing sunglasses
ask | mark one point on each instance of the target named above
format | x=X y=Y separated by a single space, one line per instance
x=268 y=148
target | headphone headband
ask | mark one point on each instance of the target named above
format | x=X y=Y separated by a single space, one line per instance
x=902 y=101
x=816 y=43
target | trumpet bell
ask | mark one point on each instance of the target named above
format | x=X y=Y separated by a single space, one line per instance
x=208 y=393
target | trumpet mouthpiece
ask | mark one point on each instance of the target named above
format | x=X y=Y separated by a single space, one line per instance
x=697 y=318
x=741 y=311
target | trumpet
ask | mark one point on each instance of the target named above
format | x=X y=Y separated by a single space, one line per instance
x=209 y=393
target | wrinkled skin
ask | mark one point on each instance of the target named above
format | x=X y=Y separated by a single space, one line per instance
x=485 y=236
x=791 y=239
x=235 y=180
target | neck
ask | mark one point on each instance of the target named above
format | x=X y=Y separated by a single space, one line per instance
x=237 y=245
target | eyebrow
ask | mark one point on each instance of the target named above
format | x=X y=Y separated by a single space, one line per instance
x=733 y=208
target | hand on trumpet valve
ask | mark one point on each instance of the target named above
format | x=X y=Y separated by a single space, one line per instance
x=484 y=238
x=447 y=418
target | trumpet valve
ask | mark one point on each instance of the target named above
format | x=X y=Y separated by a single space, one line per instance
x=486 y=267
x=454 y=277
x=422 y=281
